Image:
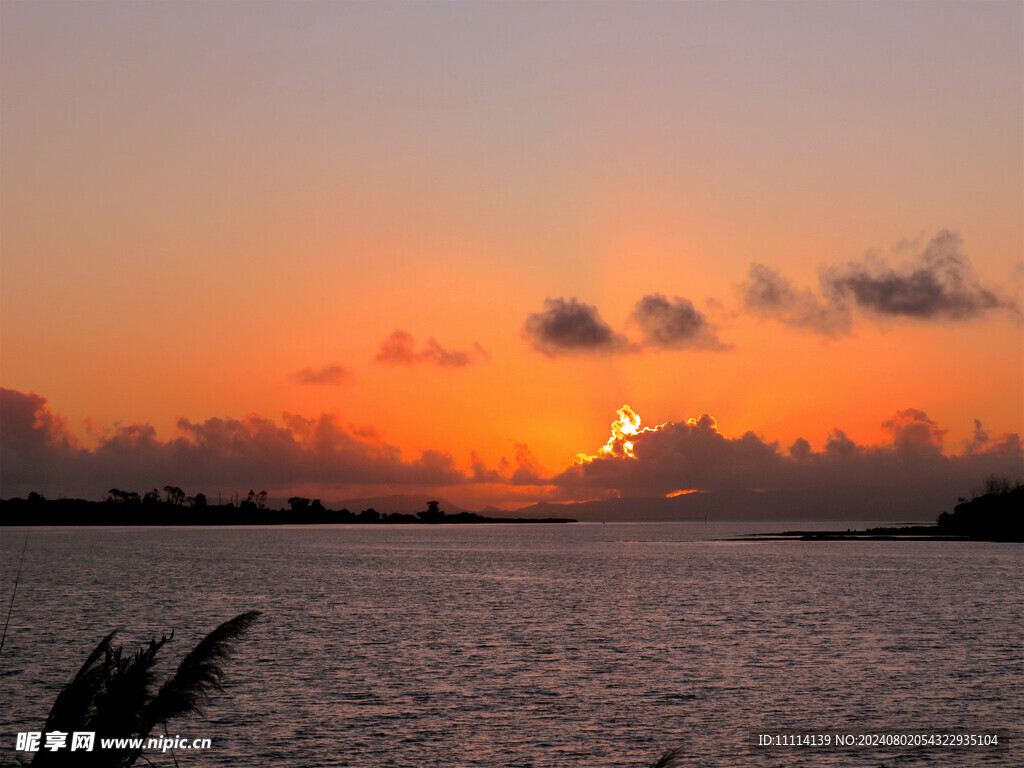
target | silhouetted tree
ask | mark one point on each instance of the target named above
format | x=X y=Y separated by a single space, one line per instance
x=175 y=495
x=151 y=497
x=123 y=497
x=298 y=504
x=257 y=500
x=997 y=484
x=199 y=500
x=432 y=514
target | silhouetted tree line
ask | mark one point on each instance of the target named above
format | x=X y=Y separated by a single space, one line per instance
x=174 y=507
x=996 y=514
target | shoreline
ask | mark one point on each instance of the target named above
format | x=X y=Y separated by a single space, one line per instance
x=915 y=533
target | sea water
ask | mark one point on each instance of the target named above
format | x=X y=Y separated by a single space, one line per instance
x=537 y=645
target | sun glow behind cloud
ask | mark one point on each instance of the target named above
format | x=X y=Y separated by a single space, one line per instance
x=683 y=492
x=624 y=429
x=321 y=456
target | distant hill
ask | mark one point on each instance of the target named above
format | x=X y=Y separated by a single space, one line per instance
x=850 y=503
x=995 y=515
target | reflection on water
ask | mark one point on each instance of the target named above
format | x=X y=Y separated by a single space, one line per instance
x=585 y=645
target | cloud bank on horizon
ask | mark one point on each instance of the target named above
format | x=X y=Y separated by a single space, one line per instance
x=39 y=453
x=695 y=455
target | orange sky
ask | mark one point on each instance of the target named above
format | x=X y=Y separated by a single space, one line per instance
x=200 y=201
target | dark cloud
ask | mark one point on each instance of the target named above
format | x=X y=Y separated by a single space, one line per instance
x=675 y=324
x=697 y=455
x=567 y=327
x=522 y=470
x=913 y=428
x=978 y=439
x=838 y=445
x=329 y=374
x=673 y=457
x=400 y=349
x=33 y=441
x=525 y=469
x=768 y=294
x=800 y=449
x=939 y=284
x=38 y=454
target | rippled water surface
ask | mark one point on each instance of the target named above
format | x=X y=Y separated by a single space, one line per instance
x=584 y=645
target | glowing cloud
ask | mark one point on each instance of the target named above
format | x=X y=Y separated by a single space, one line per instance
x=625 y=429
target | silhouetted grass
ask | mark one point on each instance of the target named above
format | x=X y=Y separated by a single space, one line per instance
x=114 y=695
x=669 y=760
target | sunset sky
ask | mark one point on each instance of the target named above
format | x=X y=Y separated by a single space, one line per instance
x=476 y=230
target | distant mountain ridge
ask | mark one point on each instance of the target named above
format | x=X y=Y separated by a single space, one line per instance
x=845 y=503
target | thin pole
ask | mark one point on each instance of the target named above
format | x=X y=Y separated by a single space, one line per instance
x=17 y=578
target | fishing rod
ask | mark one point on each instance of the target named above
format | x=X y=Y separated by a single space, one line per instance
x=17 y=579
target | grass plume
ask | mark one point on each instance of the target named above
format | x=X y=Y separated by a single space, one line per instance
x=199 y=673
x=114 y=695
